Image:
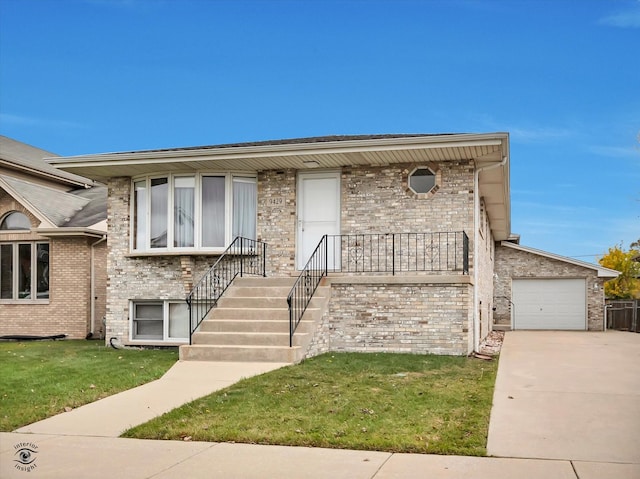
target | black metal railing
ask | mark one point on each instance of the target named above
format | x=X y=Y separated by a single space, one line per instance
x=377 y=253
x=306 y=284
x=398 y=252
x=243 y=256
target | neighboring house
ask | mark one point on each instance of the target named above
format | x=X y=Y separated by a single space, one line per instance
x=416 y=225
x=52 y=247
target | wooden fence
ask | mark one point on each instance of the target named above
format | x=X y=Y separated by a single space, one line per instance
x=623 y=314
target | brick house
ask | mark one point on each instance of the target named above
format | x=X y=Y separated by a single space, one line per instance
x=53 y=224
x=362 y=243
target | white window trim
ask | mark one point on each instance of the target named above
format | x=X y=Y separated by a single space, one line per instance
x=34 y=267
x=165 y=321
x=435 y=181
x=228 y=222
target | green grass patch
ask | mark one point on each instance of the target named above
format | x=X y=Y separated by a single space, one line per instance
x=383 y=402
x=39 y=379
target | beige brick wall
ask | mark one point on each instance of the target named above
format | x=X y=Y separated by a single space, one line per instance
x=131 y=278
x=373 y=199
x=277 y=219
x=376 y=199
x=486 y=258
x=68 y=309
x=422 y=318
x=512 y=263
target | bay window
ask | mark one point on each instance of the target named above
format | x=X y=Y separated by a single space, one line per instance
x=192 y=212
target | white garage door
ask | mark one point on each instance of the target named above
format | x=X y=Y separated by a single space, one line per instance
x=549 y=304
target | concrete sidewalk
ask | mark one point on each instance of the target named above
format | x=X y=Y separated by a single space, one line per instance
x=548 y=377
x=101 y=457
x=184 y=382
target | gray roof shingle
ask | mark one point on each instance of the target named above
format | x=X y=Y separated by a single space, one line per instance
x=57 y=206
x=21 y=156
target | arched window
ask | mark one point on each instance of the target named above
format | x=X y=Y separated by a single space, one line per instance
x=15 y=221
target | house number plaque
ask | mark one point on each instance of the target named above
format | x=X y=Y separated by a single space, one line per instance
x=275 y=201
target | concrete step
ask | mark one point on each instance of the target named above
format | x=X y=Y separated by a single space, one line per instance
x=249 y=313
x=253 y=281
x=258 y=291
x=275 y=354
x=251 y=323
x=246 y=338
x=252 y=302
x=252 y=326
x=501 y=327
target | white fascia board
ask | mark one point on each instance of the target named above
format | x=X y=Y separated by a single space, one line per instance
x=287 y=149
x=75 y=231
x=602 y=271
x=43 y=174
x=44 y=221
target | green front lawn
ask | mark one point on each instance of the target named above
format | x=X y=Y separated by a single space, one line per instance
x=39 y=379
x=384 y=402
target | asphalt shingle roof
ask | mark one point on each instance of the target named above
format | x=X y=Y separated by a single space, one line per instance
x=94 y=211
x=26 y=157
x=57 y=206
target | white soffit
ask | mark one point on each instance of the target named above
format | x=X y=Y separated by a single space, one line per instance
x=485 y=149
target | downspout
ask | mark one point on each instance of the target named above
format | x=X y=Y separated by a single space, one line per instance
x=476 y=239
x=93 y=283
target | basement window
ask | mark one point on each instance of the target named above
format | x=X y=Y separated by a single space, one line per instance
x=159 y=321
x=422 y=180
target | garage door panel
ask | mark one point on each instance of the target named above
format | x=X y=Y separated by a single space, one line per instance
x=549 y=304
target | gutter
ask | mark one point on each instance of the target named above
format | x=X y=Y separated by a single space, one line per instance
x=60 y=179
x=476 y=239
x=68 y=232
x=93 y=283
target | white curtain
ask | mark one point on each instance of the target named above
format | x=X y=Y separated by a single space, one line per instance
x=159 y=212
x=178 y=320
x=6 y=271
x=245 y=198
x=183 y=212
x=140 y=220
x=213 y=211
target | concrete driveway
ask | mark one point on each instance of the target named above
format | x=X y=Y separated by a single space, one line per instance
x=568 y=395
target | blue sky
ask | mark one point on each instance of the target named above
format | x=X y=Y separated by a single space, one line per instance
x=562 y=76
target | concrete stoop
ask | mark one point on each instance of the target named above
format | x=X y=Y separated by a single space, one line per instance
x=251 y=323
x=501 y=327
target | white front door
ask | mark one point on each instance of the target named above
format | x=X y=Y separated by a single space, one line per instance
x=318 y=211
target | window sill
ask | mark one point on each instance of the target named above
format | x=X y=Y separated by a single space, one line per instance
x=156 y=342
x=24 y=301
x=142 y=254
